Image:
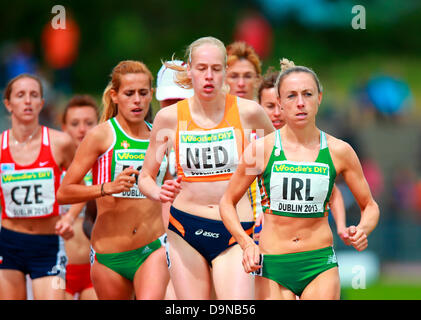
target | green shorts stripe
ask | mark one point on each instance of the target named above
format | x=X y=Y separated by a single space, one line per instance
x=295 y=271
x=127 y=263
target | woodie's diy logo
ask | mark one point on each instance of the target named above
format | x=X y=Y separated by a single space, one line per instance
x=190 y=138
x=130 y=156
x=300 y=169
x=25 y=176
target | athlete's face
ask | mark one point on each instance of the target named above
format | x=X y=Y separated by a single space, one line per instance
x=242 y=79
x=25 y=102
x=133 y=97
x=269 y=102
x=299 y=98
x=207 y=71
x=79 y=120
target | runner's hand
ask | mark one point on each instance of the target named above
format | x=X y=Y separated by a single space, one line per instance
x=357 y=238
x=343 y=234
x=124 y=181
x=170 y=190
x=251 y=258
x=64 y=227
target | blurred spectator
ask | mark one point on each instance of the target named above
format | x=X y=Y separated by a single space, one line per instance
x=387 y=96
x=417 y=199
x=403 y=182
x=370 y=166
x=374 y=176
x=61 y=48
x=20 y=59
x=256 y=31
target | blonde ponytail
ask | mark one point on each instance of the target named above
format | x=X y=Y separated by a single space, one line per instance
x=110 y=108
x=181 y=78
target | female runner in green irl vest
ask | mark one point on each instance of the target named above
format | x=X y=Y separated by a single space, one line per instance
x=129 y=257
x=296 y=178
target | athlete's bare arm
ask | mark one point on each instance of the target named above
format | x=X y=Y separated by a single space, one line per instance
x=63 y=150
x=62 y=147
x=95 y=143
x=254 y=117
x=161 y=139
x=337 y=206
x=246 y=173
x=347 y=163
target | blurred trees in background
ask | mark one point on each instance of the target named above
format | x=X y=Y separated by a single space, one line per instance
x=316 y=33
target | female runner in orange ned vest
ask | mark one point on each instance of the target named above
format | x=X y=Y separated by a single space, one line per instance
x=209 y=132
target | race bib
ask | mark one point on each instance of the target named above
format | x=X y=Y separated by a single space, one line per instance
x=126 y=158
x=208 y=153
x=299 y=188
x=28 y=193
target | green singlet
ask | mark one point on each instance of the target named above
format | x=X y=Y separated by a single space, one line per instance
x=297 y=188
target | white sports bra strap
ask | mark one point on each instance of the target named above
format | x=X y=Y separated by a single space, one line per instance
x=45 y=139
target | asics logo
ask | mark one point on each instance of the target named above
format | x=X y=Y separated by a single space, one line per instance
x=206 y=233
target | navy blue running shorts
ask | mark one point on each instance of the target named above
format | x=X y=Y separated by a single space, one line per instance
x=208 y=237
x=33 y=254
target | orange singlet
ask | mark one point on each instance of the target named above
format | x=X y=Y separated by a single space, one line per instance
x=208 y=154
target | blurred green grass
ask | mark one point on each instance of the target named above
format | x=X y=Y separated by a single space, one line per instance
x=385 y=289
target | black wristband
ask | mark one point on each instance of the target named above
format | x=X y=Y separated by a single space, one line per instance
x=103 y=193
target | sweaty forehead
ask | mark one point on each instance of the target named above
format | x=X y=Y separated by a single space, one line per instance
x=81 y=111
x=268 y=94
x=207 y=54
x=25 y=84
x=298 y=81
x=242 y=66
x=134 y=81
